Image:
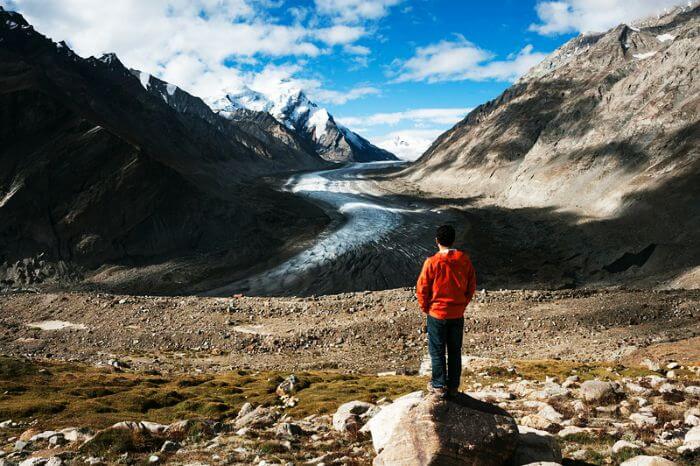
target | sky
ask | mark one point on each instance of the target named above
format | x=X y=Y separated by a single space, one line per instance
x=384 y=68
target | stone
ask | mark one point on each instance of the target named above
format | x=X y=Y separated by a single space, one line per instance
x=288 y=430
x=691 y=442
x=458 y=430
x=288 y=386
x=692 y=417
x=551 y=414
x=692 y=390
x=621 y=445
x=257 y=418
x=597 y=391
x=536 y=446
x=644 y=460
x=34 y=462
x=153 y=459
x=142 y=426
x=73 y=434
x=536 y=422
x=54 y=461
x=572 y=430
x=352 y=412
x=643 y=420
x=492 y=396
x=651 y=365
x=382 y=424
x=169 y=447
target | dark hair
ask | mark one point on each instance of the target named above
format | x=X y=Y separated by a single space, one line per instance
x=445 y=235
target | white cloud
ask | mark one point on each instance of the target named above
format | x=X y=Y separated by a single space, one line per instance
x=564 y=16
x=354 y=11
x=187 y=42
x=459 y=60
x=407 y=144
x=340 y=34
x=420 y=116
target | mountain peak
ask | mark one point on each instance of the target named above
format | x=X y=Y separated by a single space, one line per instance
x=290 y=106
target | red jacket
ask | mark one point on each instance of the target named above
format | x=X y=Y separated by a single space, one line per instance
x=446 y=284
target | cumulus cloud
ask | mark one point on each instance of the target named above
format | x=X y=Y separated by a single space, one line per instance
x=565 y=16
x=191 y=43
x=354 y=11
x=459 y=60
x=418 y=117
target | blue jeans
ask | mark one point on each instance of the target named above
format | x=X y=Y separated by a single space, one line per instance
x=445 y=334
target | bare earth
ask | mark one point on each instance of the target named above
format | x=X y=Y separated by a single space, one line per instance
x=356 y=332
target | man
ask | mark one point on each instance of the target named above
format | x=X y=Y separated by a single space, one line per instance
x=445 y=287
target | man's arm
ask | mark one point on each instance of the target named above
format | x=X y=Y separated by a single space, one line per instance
x=471 y=282
x=424 y=287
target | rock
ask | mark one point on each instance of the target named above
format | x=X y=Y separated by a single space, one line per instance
x=572 y=430
x=54 y=461
x=180 y=430
x=382 y=424
x=153 y=459
x=288 y=430
x=651 y=365
x=644 y=460
x=691 y=442
x=597 y=391
x=692 y=390
x=73 y=434
x=169 y=447
x=455 y=431
x=34 y=462
x=288 y=386
x=536 y=446
x=147 y=426
x=257 y=418
x=492 y=396
x=643 y=420
x=6 y=424
x=551 y=414
x=672 y=365
x=621 y=445
x=692 y=417
x=536 y=422
x=351 y=411
x=549 y=391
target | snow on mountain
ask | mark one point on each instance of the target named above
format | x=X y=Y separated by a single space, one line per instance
x=292 y=108
x=408 y=144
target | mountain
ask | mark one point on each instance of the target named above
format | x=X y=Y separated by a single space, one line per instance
x=99 y=173
x=312 y=124
x=603 y=136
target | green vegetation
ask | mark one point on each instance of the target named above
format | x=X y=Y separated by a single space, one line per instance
x=61 y=395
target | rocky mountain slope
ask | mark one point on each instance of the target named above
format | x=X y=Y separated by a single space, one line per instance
x=313 y=125
x=96 y=170
x=603 y=139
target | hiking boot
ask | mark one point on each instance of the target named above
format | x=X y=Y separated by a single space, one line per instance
x=439 y=391
x=453 y=392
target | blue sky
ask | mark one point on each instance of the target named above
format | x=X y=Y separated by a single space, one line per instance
x=385 y=68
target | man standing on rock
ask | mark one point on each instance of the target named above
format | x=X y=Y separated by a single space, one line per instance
x=445 y=287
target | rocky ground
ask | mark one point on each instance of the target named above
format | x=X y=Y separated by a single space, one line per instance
x=364 y=332
x=260 y=380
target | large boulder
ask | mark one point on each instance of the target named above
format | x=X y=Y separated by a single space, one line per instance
x=455 y=431
x=643 y=460
x=691 y=442
x=597 y=391
x=352 y=413
x=536 y=446
x=382 y=424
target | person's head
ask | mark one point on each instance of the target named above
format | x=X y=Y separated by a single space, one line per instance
x=445 y=236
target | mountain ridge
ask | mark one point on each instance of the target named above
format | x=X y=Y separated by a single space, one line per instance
x=313 y=124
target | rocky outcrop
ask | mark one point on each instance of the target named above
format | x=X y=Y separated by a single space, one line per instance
x=607 y=128
x=455 y=431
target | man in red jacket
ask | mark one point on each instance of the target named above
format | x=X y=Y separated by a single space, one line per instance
x=445 y=287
